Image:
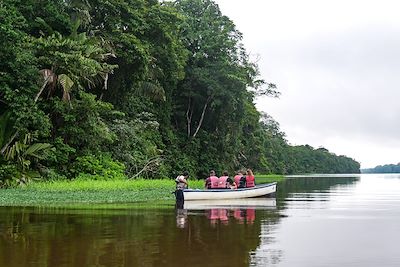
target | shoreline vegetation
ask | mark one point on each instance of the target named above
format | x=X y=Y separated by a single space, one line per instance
x=86 y=192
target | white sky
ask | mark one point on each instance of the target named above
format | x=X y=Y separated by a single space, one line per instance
x=337 y=65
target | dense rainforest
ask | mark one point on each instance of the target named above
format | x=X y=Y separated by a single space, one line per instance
x=116 y=89
x=387 y=168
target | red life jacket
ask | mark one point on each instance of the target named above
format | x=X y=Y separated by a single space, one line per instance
x=250 y=181
x=237 y=179
x=222 y=182
x=214 y=181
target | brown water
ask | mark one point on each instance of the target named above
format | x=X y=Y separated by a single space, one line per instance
x=324 y=221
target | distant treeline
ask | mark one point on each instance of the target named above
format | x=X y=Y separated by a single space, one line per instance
x=110 y=89
x=305 y=159
x=388 y=168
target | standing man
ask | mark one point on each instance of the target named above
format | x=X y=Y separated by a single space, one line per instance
x=181 y=184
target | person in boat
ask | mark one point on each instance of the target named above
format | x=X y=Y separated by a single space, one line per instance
x=226 y=182
x=211 y=181
x=240 y=179
x=250 y=180
x=232 y=184
x=181 y=184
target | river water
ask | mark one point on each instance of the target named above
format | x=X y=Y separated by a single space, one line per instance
x=337 y=220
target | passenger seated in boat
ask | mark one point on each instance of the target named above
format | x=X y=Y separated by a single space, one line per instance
x=232 y=184
x=250 y=180
x=211 y=181
x=226 y=182
x=223 y=180
x=240 y=180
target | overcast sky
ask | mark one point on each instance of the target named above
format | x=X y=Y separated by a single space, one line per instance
x=337 y=65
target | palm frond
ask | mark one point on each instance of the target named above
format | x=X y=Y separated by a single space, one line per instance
x=153 y=90
x=66 y=84
x=32 y=150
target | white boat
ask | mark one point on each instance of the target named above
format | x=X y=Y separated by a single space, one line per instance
x=257 y=191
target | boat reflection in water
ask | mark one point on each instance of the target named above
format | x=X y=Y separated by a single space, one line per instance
x=240 y=215
x=242 y=211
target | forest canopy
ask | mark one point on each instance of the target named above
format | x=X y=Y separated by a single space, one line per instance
x=111 y=89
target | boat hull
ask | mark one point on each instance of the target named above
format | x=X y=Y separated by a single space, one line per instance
x=257 y=191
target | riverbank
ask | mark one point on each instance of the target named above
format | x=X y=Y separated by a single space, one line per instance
x=60 y=193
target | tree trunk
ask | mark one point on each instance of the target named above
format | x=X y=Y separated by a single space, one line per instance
x=202 y=116
x=147 y=166
x=41 y=89
x=189 y=117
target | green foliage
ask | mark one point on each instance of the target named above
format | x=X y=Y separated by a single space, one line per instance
x=5 y=128
x=18 y=76
x=137 y=143
x=137 y=88
x=77 y=61
x=43 y=17
x=85 y=126
x=48 y=174
x=18 y=159
x=59 y=158
x=9 y=174
x=98 y=167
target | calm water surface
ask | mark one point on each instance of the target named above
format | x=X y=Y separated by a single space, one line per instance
x=313 y=221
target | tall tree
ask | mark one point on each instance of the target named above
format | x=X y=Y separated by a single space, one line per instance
x=18 y=79
x=210 y=102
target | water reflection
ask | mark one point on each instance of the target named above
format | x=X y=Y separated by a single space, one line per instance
x=181 y=214
x=333 y=221
x=243 y=211
x=241 y=216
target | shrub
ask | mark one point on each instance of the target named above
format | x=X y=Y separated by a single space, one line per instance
x=8 y=175
x=98 y=167
x=52 y=175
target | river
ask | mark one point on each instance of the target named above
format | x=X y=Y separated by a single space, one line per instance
x=325 y=220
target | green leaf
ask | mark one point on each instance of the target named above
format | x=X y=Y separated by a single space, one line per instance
x=66 y=84
x=33 y=149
